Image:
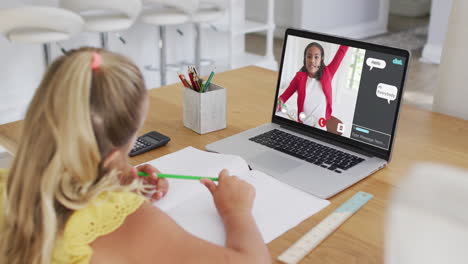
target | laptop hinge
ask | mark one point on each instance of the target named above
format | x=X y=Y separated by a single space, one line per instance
x=327 y=140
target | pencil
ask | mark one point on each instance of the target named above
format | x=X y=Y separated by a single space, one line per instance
x=183 y=80
x=207 y=83
x=173 y=176
x=194 y=84
x=197 y=82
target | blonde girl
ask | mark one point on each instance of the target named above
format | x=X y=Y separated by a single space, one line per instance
x=71 y=195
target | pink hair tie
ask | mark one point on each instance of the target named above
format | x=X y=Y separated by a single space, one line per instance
x=97 y=61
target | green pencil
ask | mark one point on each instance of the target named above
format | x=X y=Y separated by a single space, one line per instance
x=173 y=176
x=205 y=86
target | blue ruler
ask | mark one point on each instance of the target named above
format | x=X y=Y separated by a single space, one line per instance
x=320 y=232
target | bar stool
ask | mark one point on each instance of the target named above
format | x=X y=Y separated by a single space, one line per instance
x=163 y=13
x=208 y=11
x=426 y=221
x=39 y=24
x=105 y=16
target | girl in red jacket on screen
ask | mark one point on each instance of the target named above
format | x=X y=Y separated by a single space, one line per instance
x=313 y=85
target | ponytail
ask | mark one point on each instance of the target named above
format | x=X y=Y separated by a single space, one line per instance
x=78 y=115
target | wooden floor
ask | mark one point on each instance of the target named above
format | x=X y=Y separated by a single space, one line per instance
x=422 y=77
x=399 y=23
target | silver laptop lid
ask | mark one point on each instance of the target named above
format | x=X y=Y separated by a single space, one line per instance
x=345 y=90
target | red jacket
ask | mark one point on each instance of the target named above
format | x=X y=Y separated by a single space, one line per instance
x=300 y=80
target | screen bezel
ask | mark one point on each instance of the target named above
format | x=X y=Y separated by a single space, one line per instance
x=378 y=152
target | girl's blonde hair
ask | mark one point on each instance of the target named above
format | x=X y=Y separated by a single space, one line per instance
x=77 y=117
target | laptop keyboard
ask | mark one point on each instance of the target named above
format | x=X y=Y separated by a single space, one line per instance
x=307 y=150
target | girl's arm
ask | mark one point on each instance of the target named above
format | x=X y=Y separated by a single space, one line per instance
x=290 y=90
x=151 y=236
x=335 y=63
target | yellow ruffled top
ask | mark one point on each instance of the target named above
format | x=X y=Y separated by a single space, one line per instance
x=101 y=216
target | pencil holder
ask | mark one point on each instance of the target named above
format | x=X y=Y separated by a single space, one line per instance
x=205 y=112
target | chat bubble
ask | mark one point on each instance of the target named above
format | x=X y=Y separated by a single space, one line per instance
x=387 y=92
x=372 y=62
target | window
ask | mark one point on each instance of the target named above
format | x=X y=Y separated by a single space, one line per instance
x=354 y=73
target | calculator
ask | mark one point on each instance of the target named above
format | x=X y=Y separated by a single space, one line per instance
x=147 y=142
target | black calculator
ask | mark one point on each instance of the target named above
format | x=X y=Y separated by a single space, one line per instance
x=147 y=142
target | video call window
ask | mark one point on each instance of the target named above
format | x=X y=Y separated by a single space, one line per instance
x=338 y=89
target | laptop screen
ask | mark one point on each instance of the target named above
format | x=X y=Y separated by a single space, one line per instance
x=341 y=87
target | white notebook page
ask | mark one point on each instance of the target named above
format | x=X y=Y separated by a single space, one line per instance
x=278 y=207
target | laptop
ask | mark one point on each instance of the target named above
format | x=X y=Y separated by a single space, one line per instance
x=334 y=115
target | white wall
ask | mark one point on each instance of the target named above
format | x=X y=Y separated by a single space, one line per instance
x=285 y=13
x=451 y=95
x=353 y=19
x=440 y=12
x=334 y=14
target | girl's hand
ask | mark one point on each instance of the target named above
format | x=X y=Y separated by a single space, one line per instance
x=159 y=185
x=279 y=105
x=231 y=194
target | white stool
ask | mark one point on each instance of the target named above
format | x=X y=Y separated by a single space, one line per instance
x=208 y=11
x=105 y=16
x=163 y=13
x=427 y=220
x=38 y=24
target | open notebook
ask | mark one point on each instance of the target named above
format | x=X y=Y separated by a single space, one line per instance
x=277 y=207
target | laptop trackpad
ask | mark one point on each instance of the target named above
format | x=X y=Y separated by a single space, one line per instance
x=274 y=161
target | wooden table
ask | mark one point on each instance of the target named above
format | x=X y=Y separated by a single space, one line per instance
x=421 y=136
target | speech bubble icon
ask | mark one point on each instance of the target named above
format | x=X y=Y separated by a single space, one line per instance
x=386 y=91
x=372 y=62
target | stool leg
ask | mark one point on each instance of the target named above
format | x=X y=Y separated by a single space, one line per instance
x=162 y=54
x=47 y=54
x=197 y=46
x=104 y=40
